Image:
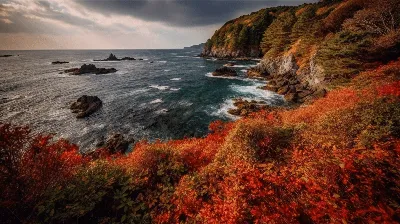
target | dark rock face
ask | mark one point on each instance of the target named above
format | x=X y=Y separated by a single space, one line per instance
x=224 y=71
x=59 y=62
x=112 y=57
x=86 y=105
x=5 y=56
x=90 y=68
x=244 y=107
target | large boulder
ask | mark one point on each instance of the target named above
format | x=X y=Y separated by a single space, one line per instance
x=86 y=105
x=224 y=71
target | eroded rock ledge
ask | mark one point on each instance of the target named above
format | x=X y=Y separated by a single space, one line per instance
x=286 y=78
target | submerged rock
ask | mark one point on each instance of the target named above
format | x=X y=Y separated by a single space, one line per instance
x=86 y=105
x=59 y=62
x=224 y=71
x=90 y=68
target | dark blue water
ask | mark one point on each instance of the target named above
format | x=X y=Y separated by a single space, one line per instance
x=171 y=98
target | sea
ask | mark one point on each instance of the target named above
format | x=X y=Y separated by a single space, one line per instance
x=170 y=94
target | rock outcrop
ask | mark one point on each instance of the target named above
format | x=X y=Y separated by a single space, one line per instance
x=245 y=107
x=90 y=68
x=224 y=71
x=285 y=78
x=86 y=105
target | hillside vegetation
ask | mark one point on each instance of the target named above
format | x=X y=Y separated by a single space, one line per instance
x=342 y=38
x=333 y=160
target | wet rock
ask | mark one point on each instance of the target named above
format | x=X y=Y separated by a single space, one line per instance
x=86 y=105
x=5 y=56
x=59 y=62
x=224 y=71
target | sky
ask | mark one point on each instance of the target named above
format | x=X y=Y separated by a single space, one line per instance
x=118 y=24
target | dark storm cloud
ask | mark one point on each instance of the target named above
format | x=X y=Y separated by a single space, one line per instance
x=183 y=12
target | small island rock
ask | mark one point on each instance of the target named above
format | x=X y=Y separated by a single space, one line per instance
x=90 y=68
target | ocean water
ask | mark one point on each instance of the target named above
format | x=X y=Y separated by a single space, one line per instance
x=171 y=98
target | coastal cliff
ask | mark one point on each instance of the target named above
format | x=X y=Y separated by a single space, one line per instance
x=320 y=45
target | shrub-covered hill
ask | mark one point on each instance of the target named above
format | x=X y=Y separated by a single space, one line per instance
x=313 y=46
x=336 y=160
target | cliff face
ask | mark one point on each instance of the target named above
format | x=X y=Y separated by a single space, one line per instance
x=313 y=46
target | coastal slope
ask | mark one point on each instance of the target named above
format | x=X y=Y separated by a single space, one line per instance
x=312 y=46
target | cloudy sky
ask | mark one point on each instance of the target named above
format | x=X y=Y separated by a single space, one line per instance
x=118 y=24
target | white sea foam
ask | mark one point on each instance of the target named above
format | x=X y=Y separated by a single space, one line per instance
x=159 y=87
x=176 y=79
x=241 y=66
x=222 y=111
x=254 y=92
x=162 y=61
x=201 y=66
x=185 y=103
x=233 y=77
x=182 y=56
x=167 y=70
x=156 y=101
x=175 y=89
x=162 y=111
x=244 y=70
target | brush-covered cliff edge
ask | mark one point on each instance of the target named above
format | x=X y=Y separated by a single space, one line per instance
x=309 y=48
